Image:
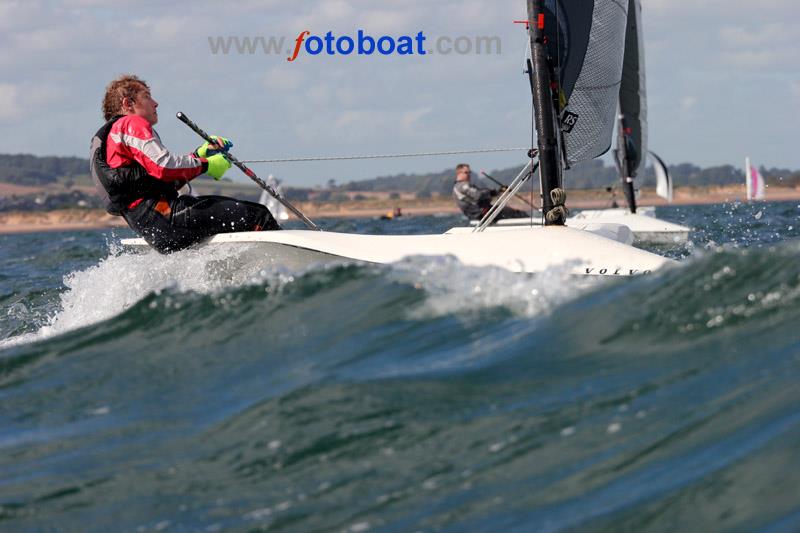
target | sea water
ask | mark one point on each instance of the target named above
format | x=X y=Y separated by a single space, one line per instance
x=140 y=392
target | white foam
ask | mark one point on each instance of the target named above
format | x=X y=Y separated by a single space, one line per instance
x=452 y=287
x=122 y=279
x=118 y=281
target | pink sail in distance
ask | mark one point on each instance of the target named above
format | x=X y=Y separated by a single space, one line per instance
x=754 y=181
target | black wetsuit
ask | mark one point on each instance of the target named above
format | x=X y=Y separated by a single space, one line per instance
x=474 y=202
x=150 y=205
x=169 y=226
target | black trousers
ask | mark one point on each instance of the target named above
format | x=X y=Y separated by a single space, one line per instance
x=172 y=225
x=506 y=212
x=510 y=212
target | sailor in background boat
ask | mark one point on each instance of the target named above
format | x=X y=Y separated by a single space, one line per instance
x=391 y=215
x=613 y=201
x=475 y=201
x=139 y=178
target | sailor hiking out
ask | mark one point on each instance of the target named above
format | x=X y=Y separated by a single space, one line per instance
x=475 y=201
x=139 y=178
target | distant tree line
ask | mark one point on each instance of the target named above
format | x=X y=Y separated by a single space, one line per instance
x=50 y=201
x=590 y=175
x=27 y=169
x=420 y=184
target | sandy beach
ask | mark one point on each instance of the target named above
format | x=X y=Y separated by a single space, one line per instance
x=88 y=219
x=60 y=220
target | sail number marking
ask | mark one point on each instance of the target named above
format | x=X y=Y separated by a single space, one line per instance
x=568 y=121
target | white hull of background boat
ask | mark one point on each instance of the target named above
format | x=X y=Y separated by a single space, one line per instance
x=644 y=226
x=615 y=232
x=531 y=250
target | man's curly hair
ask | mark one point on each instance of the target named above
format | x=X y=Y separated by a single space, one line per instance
x=126 y=85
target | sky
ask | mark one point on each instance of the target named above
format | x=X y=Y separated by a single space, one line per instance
x=723 y=80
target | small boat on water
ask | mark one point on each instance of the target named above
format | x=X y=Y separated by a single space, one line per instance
x=643 y=224
x=629 y=156
x=275 y=207
x=754 y=182
x=641 y=227
x=631 y=151
x=584 y=114
x=529 y=250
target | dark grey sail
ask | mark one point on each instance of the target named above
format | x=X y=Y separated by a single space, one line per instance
x=632 y=121
x=632 y=94
x=585 y=40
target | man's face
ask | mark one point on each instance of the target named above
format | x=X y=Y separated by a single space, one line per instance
x=145 y=107
x=464 y=174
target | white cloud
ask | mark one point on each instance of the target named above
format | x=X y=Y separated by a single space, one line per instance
x=410 y=119
x=17 y=15
x=162 y=31
x=284 y=79
x=794 y=87
x=744 y=36
x=336 y=11
x=750 y=58
x=386 y=21
x=720 y=8
x=357 y=117
x=688 y=103
x=317 y=95
x=25 y=99
x=9 y=103
x=771 y=46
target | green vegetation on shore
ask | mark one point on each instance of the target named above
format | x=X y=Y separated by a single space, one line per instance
x=27 y=169
x=56 y=182
x=592 y=175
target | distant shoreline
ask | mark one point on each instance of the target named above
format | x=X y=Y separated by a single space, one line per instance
x=94 y=219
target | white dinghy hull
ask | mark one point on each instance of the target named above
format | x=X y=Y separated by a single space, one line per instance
x=643 y=225
x=528 y=250
x=615 y=232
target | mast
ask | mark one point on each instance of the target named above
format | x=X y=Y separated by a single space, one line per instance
x=632 y=119
x=547 y=142
x=624 y=162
